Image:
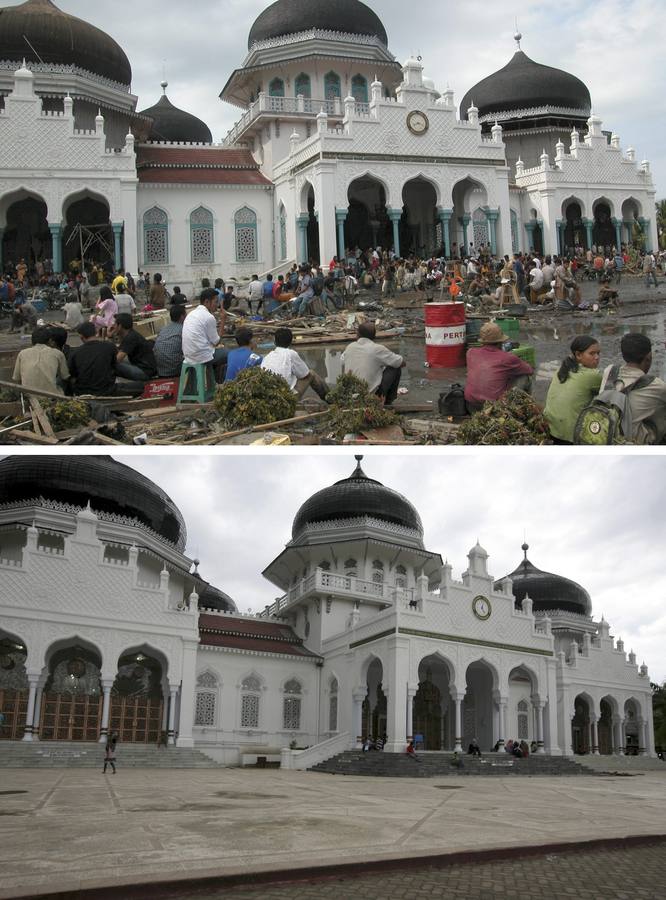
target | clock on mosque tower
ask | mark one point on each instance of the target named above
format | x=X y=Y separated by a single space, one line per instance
x=417 y=122
x=481 y=607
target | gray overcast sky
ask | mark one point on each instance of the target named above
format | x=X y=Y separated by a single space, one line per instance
x=598 y=520
x=615 y=48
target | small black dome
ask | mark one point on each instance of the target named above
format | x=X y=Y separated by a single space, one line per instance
x=355 y=497
x=548 y=591
x=60 y=39
x=108 y=485
x=524 y=84
x=212 y=598
x=175 y=125
x=292 y=16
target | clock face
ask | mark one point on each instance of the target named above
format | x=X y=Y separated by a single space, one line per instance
x=417 y=122
x=481 y=607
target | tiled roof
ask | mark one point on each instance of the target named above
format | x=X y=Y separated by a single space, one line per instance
x=251 y=634
x=197 y=165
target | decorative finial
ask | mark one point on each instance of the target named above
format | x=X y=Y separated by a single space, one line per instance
x=517 y=36
x=525 y=547
x=164 y=84
x=359 y=459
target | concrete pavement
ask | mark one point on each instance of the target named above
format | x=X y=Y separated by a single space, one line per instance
x=78 y=829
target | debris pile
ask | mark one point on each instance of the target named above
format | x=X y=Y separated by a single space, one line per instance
x=255 y=397
x=353 y=409
x=514 y=419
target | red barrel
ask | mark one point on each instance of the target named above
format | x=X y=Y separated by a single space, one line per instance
x=445 y=335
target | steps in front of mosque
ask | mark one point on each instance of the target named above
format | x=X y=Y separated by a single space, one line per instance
x=44 y=755
x=433 y=764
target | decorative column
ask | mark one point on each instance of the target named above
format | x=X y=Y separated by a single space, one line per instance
x=358 y=697
x=2 y=235
x=302 y=222
x=38 y=709
x=539 y=707
x=588 y=223
x=464 y=221
x=56 y=247
x=645 y=228
x=492 y=215
x=171 y=731
x=571 y=734
x=618 y=743
x=340 y=219
x=560 y=243
x=594 y=743
x=33 y=681
x=629 y=225
x=445 y=216
x=395 y=215
x=107 y=684
x=458 y=699
x=411 y=693
x=529 y=228
x=642 y=737
x=187 y=695
x=117 y=245
x=618 y=232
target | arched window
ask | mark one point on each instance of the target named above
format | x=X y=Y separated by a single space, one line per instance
x=291 y=707
x=523 y=720
x=245 y=222
x=359 y=89
x=480 y=226
x=276 y=88
x=351 y=568
x=206 y=700
x=201 y=236
x=283 y=233
x=303 y=86
x=155 y=237
x=251 y=691
x=515 y=243
x=333 y=706
x=401 y=577
x=332 y=87
x=378 y=571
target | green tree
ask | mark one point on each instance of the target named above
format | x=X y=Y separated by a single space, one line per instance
x=661 y=223
x=659 y=714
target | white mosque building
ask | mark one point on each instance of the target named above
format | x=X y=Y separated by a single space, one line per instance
x=107 y=626
x=337 y=145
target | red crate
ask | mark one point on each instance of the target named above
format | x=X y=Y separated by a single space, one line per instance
x=163 y=389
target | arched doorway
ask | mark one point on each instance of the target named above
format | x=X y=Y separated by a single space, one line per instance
x=312 y=229
x=13 y=687
x=574 y=230
x=373 y=712
x=521 y=723
x=72 y=698
x=137 y=699
x=418 y=226
x=367 y=224
x=87 y=235
x=26 y=230
x=467 y=196
x=632 y=741
x=603 y=230
x=431 y=714
x=605 y=726
x=478 y=706
x=631 y=211
x=580 y=726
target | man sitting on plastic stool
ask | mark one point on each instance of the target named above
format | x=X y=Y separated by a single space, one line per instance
x=202 y=335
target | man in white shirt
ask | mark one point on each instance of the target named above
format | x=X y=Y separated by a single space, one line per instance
x=202 y=335
x=288 y=364
x=255 y=294
x=536 y=284
x=374 y=363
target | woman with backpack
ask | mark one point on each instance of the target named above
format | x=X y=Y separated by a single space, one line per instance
x=576 y=383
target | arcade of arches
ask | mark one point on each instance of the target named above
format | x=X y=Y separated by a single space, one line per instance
x=604 y=229
x=71 y=701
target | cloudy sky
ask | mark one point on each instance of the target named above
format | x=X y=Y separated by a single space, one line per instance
x=598 y=520
x=615 y=48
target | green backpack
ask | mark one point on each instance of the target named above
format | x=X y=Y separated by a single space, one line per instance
x=607 y=419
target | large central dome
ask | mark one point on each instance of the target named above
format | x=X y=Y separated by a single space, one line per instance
x=41 y=33
x=293 y=16
x=356 y=497
x=107 y=485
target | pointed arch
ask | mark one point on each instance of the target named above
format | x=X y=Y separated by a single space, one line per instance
x=359 y=88
x=202 y=235
x=332 y=86
x=303 y=86
x=156 y=237
x=245 y=226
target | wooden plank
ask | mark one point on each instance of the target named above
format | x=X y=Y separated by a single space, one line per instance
x=269 y=426
x=42 y=418
x=34 y=438
x=31 y=392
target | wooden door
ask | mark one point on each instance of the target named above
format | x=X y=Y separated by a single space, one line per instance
x=70 y=717
x=136 y=720
x=14 y=706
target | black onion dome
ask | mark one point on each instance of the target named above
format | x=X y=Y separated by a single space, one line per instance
x=524 y=84
x=108 y=486
x=548 y=591
x=292 y=16
x=213 y=598
x=355 y=497
x=60 y=39
x=175 y=125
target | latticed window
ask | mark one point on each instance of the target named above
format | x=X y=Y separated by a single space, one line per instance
x=378 y=571
x=202 y=236
x=480 y=227
x=333 y=706
x=246 y=235
x=401 y=577
x=291 y=714
x=204 y=713
x=283 y=233
x=523 y=720
x=332 y=88
x=276 y=88
x=302 y=86
x=250 y=711
x=156 y=237
x=360 y=89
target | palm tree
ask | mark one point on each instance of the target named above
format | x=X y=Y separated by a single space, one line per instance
x=661 y=223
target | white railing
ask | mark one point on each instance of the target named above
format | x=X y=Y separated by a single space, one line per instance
x=305 y=106
x=305 y=759
x=350 y=586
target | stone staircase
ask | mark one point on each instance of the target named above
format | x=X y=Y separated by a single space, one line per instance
x=623 y=764
x=45 y=755
x=431 y=765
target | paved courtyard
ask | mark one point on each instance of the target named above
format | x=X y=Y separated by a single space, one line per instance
x=78 y=829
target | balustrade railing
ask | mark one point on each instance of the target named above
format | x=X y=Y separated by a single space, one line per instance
x=347 y=585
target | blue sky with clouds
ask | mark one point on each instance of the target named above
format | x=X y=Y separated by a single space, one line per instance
x=615 y=48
